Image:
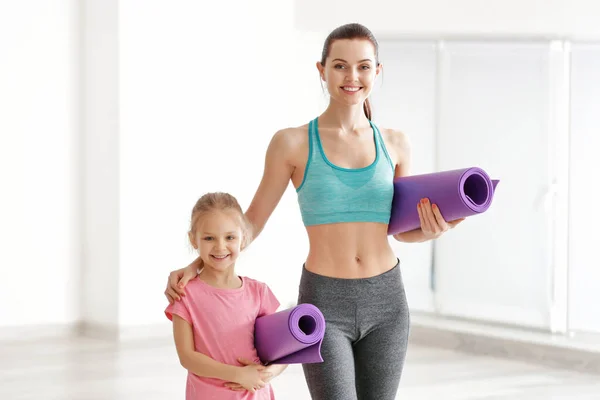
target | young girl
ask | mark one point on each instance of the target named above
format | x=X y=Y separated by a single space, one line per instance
x=213 y=325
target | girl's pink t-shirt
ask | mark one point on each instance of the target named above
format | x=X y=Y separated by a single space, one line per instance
x=223 y=325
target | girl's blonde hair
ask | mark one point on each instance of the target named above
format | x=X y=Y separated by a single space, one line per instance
x=218 y=201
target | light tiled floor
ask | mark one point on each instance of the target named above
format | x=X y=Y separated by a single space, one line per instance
x=86 y=369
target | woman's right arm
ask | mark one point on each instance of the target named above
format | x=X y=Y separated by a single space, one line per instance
x=277 y=172
x=278 y=169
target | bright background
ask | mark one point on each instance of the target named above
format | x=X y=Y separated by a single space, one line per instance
x=117 y=115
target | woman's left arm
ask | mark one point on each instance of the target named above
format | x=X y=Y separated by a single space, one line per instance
x=433 y=224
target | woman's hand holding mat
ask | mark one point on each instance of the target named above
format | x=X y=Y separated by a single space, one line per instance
x=433 y=224
x=439 y=197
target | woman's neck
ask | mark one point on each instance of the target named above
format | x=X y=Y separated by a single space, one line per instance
x=348 y=118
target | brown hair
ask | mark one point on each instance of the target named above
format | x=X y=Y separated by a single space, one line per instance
x=352 y=31
x=218 y=201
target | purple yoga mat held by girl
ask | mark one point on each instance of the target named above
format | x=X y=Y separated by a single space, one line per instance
x=292 y=336
x=343 y=167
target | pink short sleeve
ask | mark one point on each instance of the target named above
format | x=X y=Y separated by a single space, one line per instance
x=268 y=302
x=179 y=308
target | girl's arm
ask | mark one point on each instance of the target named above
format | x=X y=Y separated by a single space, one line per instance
x=274 y=369
x=196 y=362
x=251 y=378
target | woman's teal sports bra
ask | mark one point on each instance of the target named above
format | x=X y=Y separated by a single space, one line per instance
x=330 y=194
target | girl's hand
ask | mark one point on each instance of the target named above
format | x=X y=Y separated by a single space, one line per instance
x=269 y=372
x=177 y=281
x=433 y=224
x=251 y=378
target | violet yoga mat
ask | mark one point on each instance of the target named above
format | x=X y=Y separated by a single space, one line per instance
x=457 y=193
x=291 y=336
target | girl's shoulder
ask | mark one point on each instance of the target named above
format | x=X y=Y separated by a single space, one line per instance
x=253 y=284
x=257 y=287
x=193 y=286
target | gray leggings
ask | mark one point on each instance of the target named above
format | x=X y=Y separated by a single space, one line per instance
x=366 y=334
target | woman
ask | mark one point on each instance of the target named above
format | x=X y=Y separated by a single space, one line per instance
x=343 y=167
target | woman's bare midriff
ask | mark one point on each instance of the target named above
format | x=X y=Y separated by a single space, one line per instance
x=349 y=250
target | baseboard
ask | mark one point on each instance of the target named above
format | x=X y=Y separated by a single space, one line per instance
x=111 y=333
x=98 y=331
x=37 y=332
x=126 y=333
x=152 y=332
x=578 y=352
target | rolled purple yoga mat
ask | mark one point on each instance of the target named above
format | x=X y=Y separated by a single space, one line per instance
x=291 y=336
x=457 y=193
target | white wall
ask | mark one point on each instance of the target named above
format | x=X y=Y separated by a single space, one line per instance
x=123 y=113
x=202 y=90
x=100 y=166
x=39 y=204
x=584 y=274
x=118 y=107
x=432 y=18
x=494 y=111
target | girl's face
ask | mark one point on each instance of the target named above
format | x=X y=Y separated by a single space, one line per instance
x=218 y=239
x=350 y=70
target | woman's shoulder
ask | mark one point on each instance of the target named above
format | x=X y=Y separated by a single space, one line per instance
x=397 y=144
x=397 y=141
x=290 y=142
x=293 y=135
x=395 y=137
